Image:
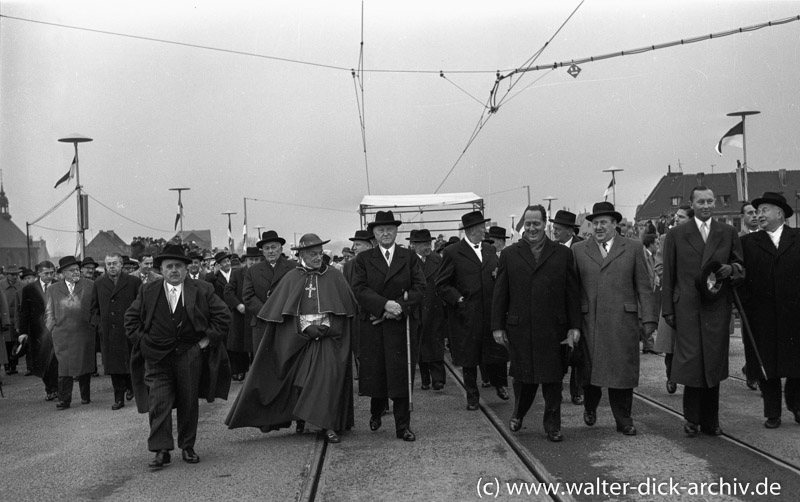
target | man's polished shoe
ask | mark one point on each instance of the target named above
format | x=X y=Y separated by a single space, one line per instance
x=752 y=384
x=129 y=395
x=374 y=424
x=162 y=458
x=406 y=435
x=555 y=436
x=502 y=393
x=577 y=400
x=712 y=431
x=61 y=405
x=627 y=430
x=86 y=401
x=438 y=386
x=332 y=436
x=486 y=384
x=515 y=424
x=671 y=387
x=425 y=386
x=797 y=416
x=300 y=427
x=773 y=423
x=189 y=456
x=590 y=417
x=472 y=407
x=691 y=429
x=51 y=396
x=118 y=405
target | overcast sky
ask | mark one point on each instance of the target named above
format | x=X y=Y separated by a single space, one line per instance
x=232 y=126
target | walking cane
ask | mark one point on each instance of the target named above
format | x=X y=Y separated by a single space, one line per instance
x=746 y=329
x=408 y=353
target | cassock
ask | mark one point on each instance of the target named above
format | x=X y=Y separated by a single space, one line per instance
x=294 y=376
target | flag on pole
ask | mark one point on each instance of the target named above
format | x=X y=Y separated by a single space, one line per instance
x=609 y=190
x=230 y=235
x=70 y=174
x=734 y=137
x=179 y=216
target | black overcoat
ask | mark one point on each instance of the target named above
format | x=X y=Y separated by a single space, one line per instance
x=259 y=281
x=240 y=335
x=31 y=322
x=109 y=303
x=432 y=327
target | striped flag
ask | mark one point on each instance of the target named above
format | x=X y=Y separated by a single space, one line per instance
x=609 y=190
x=230 y=236
x=734 y=137
x=179 y=216
x=70 y=174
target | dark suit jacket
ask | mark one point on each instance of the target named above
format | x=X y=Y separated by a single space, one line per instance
x=432 y=329
x=240 y=335
x=109 y=303
x=218 y=281
x=31 y=322
x=259 y=281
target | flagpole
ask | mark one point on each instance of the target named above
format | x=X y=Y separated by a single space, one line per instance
x=746 y=195
x=244 y=226
x=230 y=230
x=613 y=170
x=180 y=207
x=82 y=211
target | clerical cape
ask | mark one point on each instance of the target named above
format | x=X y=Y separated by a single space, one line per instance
x=295 y=376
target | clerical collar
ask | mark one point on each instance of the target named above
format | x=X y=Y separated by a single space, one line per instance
x=321 y=270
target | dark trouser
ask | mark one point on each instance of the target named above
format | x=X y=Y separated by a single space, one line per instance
x=771 y=391
x=121 y=382
x=432 y=372
x=575 y=388
x=400 y=407
x=701 y=406
x=50 y=377
x=496 y=373
x=668 y=365
x=65 y=387
x=621 y=401
x=175 y=380
x=524 y=394
x=12 y=360
x=240 y=361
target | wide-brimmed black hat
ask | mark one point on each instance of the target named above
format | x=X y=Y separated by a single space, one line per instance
x=252 y=252
x=25 y=272
x=127 y=260
x=383 y=218
x=309 y=241
x=89 y=261
x=270 y=236
x=361 y=235
x=604 y=209
x=194 y=255
x=221 y=256
x=421 y=235
x=67 y=261
x=496 y=232
x=565 y=218
x=775 y=199
x=172 y=252
x=472 y=219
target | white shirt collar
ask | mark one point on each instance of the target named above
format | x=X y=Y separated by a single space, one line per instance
x=609 y=244
x=391 y=253
x=569 y=242
x=226 y=274
x=477 y=250
x=700 y=224
x=168 y=287
x=776 y=235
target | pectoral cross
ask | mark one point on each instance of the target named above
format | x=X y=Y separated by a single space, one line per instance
x=310 y=288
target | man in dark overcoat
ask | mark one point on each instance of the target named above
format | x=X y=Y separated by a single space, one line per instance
x=388 y=285
x=362 y=241
x=113 y=293
x=34 y=333
x=702 y=324
x=223 y=275
x=465 y=282
x=176 y=325
x=536 y=313
x=432 y=328
x=260 y=279
x=771 y=301
x=240 y=335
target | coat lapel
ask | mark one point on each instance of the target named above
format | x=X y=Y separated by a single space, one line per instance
x=547 y=252
x=694 y=238
x=189 y=298
x=465 y=249
x=714 y=237
x=594 y=252
x=398 y=262
x=765 y=243
x=616 y=251
x=788 y=238
x=526 y=254
x=379 y=261
x=150 y=298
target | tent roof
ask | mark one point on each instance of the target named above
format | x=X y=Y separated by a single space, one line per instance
x=414 y=200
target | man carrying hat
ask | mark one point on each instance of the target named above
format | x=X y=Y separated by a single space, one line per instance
x=302 y=369
x=432 y=328
x=68 y=318
x=362 y=241
x=702 y=323
x=465 y=282
x=771 y=296
x=388 y=284
x=240 y=335
x=260 y=279
x=176 y=325
x=615 y=293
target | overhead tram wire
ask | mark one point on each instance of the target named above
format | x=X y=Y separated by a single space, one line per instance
x=301 y=205
x=126 y=218
x=358 y=82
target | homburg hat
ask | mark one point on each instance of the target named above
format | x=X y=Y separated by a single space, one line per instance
x=172 y=252
x=565 y=218
x=361 y=235
x=89 y=261
x=421 y=235
x=604 y=209
x=775 y=199
x=496 y=233
x=12 y=269
x=472 y=219
x=252 y=252
x=270 y=236
x=25 y=272
x=67 y=261
x=383 y=218
x=221 y=256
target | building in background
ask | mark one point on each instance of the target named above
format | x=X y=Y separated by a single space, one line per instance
x=13 y=243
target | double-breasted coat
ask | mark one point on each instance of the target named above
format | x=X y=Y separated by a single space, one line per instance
x=383 y=347
x=469 y=322
x=240 y=335
x=259 y=280
x=31 y=322
x=69 y=319
x=432 y=326
x=771 y=297
x=613 y=290
x=109 y=303
x=536 y=302
x=702 y=331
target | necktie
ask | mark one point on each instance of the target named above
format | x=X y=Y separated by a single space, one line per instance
x=704 y=231
x=71 y=287
x=173 y=298
x=387 y=255
x=45 y=287
x=605 y=249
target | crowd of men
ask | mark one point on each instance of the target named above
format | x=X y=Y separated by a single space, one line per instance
x=299 y=328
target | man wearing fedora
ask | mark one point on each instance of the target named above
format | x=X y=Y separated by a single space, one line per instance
x=388 y=283
x=615 y=293
x=497 y=237
x=112 y=294
x=362 y=241
x=68 y=317
x=771 y=296
x=465 y=282
x=88 y=268
x=260 y=279
x=302 y=370
x=240 y=335
x=222 y=276
x=195 y=269
x=10 y=287
x=432 y=328
x=701 y=322
x=176 y=325
x=33 y=332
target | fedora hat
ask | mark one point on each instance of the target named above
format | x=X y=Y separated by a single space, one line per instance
x=775 y=199
x=604 y=209
x=565 y=218
x=89 y=261
x=221 y=256
x=496 y=232
x=711 y=288
x=383 y=218
x=67 y=261
x=421 y=235
x=252 y=252
x=25 y=272
x=452 y=240
x=194 y=255
x=309 y=241
x=472 y=219
x=12 y=269
x=172 y=252
x=270 y=236
x=361 y=235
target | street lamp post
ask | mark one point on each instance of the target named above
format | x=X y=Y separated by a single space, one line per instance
x=83 y=211
x=613 y=170
x=230 y=234
x=529 y=194
x=745 y=195
x=180 y=207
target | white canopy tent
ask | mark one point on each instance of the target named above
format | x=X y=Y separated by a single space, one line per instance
x=412 y=209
